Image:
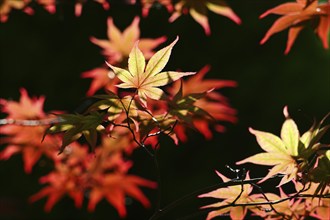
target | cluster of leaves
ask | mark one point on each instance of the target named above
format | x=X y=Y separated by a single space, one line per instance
x=146 y=110
x=294 y=15
x=197 y=9
x=103 y=174
x=302 y=160
x=144 y=101
x=133 y=115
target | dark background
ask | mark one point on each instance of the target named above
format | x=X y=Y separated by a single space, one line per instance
x=47 y=53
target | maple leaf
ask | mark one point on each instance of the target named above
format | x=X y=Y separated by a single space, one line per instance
x=189 y=115
x=119 y=44
x=26 y=139
x=114 y=187
x=101 y=78
x=61 y=182
x=229 y=195
x=280 y=152
x=74 y=126
x=291 y=153
x=212 y=102
x=102 y=174
x=26 y=108
x=198 y=10
x=295 y=16
x=147 y=4
x=147 y=78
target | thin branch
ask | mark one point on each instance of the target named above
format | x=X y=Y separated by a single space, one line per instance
x=271 y=205
x=37 y=122
x=141 y=144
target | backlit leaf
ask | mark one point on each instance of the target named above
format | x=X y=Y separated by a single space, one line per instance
x=294 y=17
x=146 y=81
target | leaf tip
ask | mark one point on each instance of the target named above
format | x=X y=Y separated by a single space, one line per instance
x=263 y=40
x=176 y=39
x=136 y=20
x=110 y=22
x=263 y=15
x=108 y=64
x=286 y=112
x=251 y=130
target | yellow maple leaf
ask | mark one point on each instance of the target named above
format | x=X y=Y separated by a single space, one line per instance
x=280 y=152
x=147 y=78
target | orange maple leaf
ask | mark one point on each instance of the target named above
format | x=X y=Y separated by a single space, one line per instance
x=26 y=108
x=119 y=44
x=26 y=139
x=295 y=16
x=198 y=10
x=114 y=187
x=103 y=175
x=146 y=78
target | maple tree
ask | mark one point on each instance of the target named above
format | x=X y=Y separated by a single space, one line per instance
x=136 y=102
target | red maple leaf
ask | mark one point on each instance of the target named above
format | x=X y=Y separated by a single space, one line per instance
x=114 y=187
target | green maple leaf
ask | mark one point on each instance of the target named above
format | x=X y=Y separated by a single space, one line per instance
x=74 y=126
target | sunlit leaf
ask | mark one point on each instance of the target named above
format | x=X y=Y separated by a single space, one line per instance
x=147 y=80
x=294 y=17
x=291 y=153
